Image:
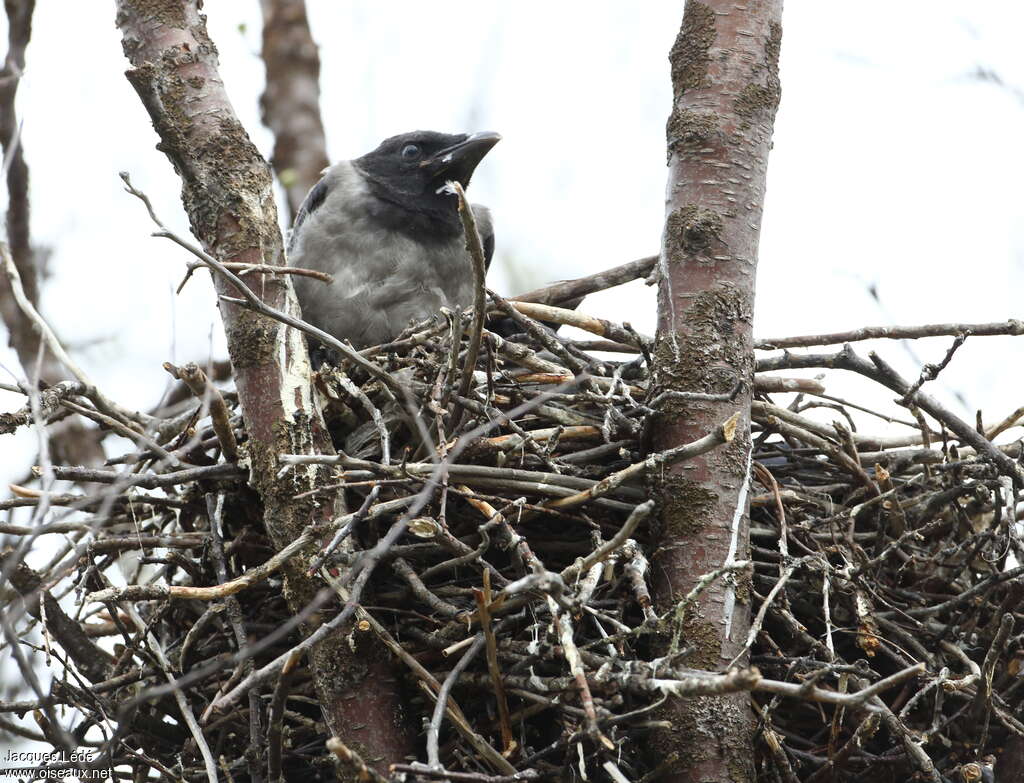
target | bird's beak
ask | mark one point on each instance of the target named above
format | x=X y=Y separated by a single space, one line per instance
x=459 y=161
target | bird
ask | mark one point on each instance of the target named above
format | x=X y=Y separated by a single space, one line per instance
x=386 y=227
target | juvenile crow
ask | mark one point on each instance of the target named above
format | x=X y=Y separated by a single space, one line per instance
x=389 y=232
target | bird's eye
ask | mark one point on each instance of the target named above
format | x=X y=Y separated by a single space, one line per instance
x=410 y=152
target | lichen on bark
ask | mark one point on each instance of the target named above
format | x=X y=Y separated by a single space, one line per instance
x=689 y=131
x=725 y=91
x=690 y=54
x=693 y=232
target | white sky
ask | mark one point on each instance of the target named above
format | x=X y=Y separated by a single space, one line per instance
x=892 y=167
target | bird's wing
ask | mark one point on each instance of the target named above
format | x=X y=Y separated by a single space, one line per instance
x=485 y=227
x=313 y=199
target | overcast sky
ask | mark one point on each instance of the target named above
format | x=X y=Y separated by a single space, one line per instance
x=894 y=167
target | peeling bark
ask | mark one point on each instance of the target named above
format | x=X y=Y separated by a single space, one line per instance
x=290 y=104
x=228 y=195
x=726 y=89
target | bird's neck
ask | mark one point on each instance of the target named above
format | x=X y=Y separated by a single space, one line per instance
x=422 y=217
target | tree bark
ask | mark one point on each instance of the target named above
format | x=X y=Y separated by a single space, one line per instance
x=290 y=104
x=725 y=92
x=228 y=195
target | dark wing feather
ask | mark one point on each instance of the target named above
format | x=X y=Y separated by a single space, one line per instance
x=488 y=239
x=313 y=199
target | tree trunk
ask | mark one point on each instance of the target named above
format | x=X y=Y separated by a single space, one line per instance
x=290 y=104
x=228 y=194
x=726 y=89
x=22 y=337
x=71 y=442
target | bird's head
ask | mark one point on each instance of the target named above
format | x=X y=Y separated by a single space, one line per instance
x=410 y=170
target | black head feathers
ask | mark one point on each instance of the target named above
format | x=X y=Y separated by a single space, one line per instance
x=409 y=171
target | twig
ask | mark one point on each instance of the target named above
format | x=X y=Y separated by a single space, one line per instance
x=587 y=323
x=568 y=290
x=476 y=253
x=275 y=718
x=52 y=343
x=266 y=269
x=483 y=599
x=724 y=433
x=1011 y=327
x=192 y=376
x=251 y=300
x=434 y=727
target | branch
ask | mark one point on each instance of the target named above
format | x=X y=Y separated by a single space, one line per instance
x=569 y=290
x=1011 y=327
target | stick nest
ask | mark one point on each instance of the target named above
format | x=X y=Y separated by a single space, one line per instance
x=495 y=548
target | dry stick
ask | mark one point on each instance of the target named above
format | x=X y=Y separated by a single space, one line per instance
x=268 y=269
x=931 y=371
x=511 y=442
x=911 y=742
x=185 y=592
x=678 y=612
x=375 y=415
x=962 y=429
x=755 y=626
x=223 y=472
x=358 y=576
x=635 y=567
x=123 y=430
x=863 y=732
x=543 y=580
x=640 y=513
x=973 y=670
x=421 y=591
x=215 y=515
x=49 y=400
x=52 y=343
x=837 y=455
x=434 y=727
x=983 y=697
x=855 y=699
x=347 y=523
x=483 y=599
x=772 y=384
x=543 y=336
x=567 y=290
x=723 y=433
x=469 y=472
x=253 y=302
x=1006 y=423
x=563 y=625
x=759 y=410
x=587 y=323
x=275 y=717
x=1012 y=327
x=476 y=252
x=195 y=379
x=465 y=777
x=39 y=603
x=431 y=686
x=771 y=739
x=354 y=761
x=178 y=691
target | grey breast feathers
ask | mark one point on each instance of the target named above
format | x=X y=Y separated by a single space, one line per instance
x=383 y=279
